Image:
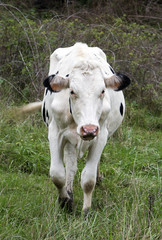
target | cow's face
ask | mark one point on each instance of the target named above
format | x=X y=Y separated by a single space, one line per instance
x=86 y=94
x=87 y=91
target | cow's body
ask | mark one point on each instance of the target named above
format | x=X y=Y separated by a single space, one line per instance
x=80 y=116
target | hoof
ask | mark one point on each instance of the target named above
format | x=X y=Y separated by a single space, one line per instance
x=86 y=213
x=99 y=179
x=70 y=202
x=67 y=202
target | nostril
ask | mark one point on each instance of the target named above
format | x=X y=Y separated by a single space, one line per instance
x=95 y=130
x=85 y=130
x=89 y=130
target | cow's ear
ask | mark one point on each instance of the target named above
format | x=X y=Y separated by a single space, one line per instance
x=47 y=81
x=56 y=83
x=117 y=82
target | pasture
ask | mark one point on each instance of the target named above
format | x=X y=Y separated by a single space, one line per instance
x=126 y=204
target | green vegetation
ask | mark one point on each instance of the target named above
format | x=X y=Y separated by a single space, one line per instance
x=28 y=40
x=126 y=204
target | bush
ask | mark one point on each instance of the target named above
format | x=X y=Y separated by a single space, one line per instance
x=28 y=41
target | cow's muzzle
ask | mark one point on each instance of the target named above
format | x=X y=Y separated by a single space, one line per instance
x=88 y=132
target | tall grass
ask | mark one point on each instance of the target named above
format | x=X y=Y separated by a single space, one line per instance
x=126 y=204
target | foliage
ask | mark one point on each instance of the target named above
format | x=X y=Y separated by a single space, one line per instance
x=135 y=8
x=28 y=41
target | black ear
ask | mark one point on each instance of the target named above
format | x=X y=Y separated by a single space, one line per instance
x=47 y=81
x=124 y=81
x=56 y=83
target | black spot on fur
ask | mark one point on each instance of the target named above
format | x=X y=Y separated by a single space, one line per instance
x=112 y=70
x=47 y=114
x=121 y=109
x=46 y=91
x=44 y=113
x=70 y=106
x=67 y=75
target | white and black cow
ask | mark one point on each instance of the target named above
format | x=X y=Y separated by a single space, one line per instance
x=82 y=107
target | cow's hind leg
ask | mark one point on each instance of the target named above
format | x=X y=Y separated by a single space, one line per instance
x=70 y=159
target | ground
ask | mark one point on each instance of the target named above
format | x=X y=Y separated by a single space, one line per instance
x=126 y=204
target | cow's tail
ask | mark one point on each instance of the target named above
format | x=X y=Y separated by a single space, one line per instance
x=19 y=113
x=30 y=108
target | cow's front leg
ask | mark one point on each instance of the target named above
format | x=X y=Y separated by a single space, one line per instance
x=57 y=170
x=70 y=158
x=88 y=182
x=89 y=173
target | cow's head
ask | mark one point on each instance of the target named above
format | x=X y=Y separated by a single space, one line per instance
x=86 y=94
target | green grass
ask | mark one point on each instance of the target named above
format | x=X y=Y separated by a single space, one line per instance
x=126 y=204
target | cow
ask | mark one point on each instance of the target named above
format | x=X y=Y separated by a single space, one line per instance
x=83 y=106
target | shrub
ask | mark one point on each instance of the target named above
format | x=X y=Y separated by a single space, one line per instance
x=27 y=42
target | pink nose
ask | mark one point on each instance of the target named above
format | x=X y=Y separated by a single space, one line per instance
x=88 y=132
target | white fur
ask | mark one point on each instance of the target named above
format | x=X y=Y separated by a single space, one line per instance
x=87 y=67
